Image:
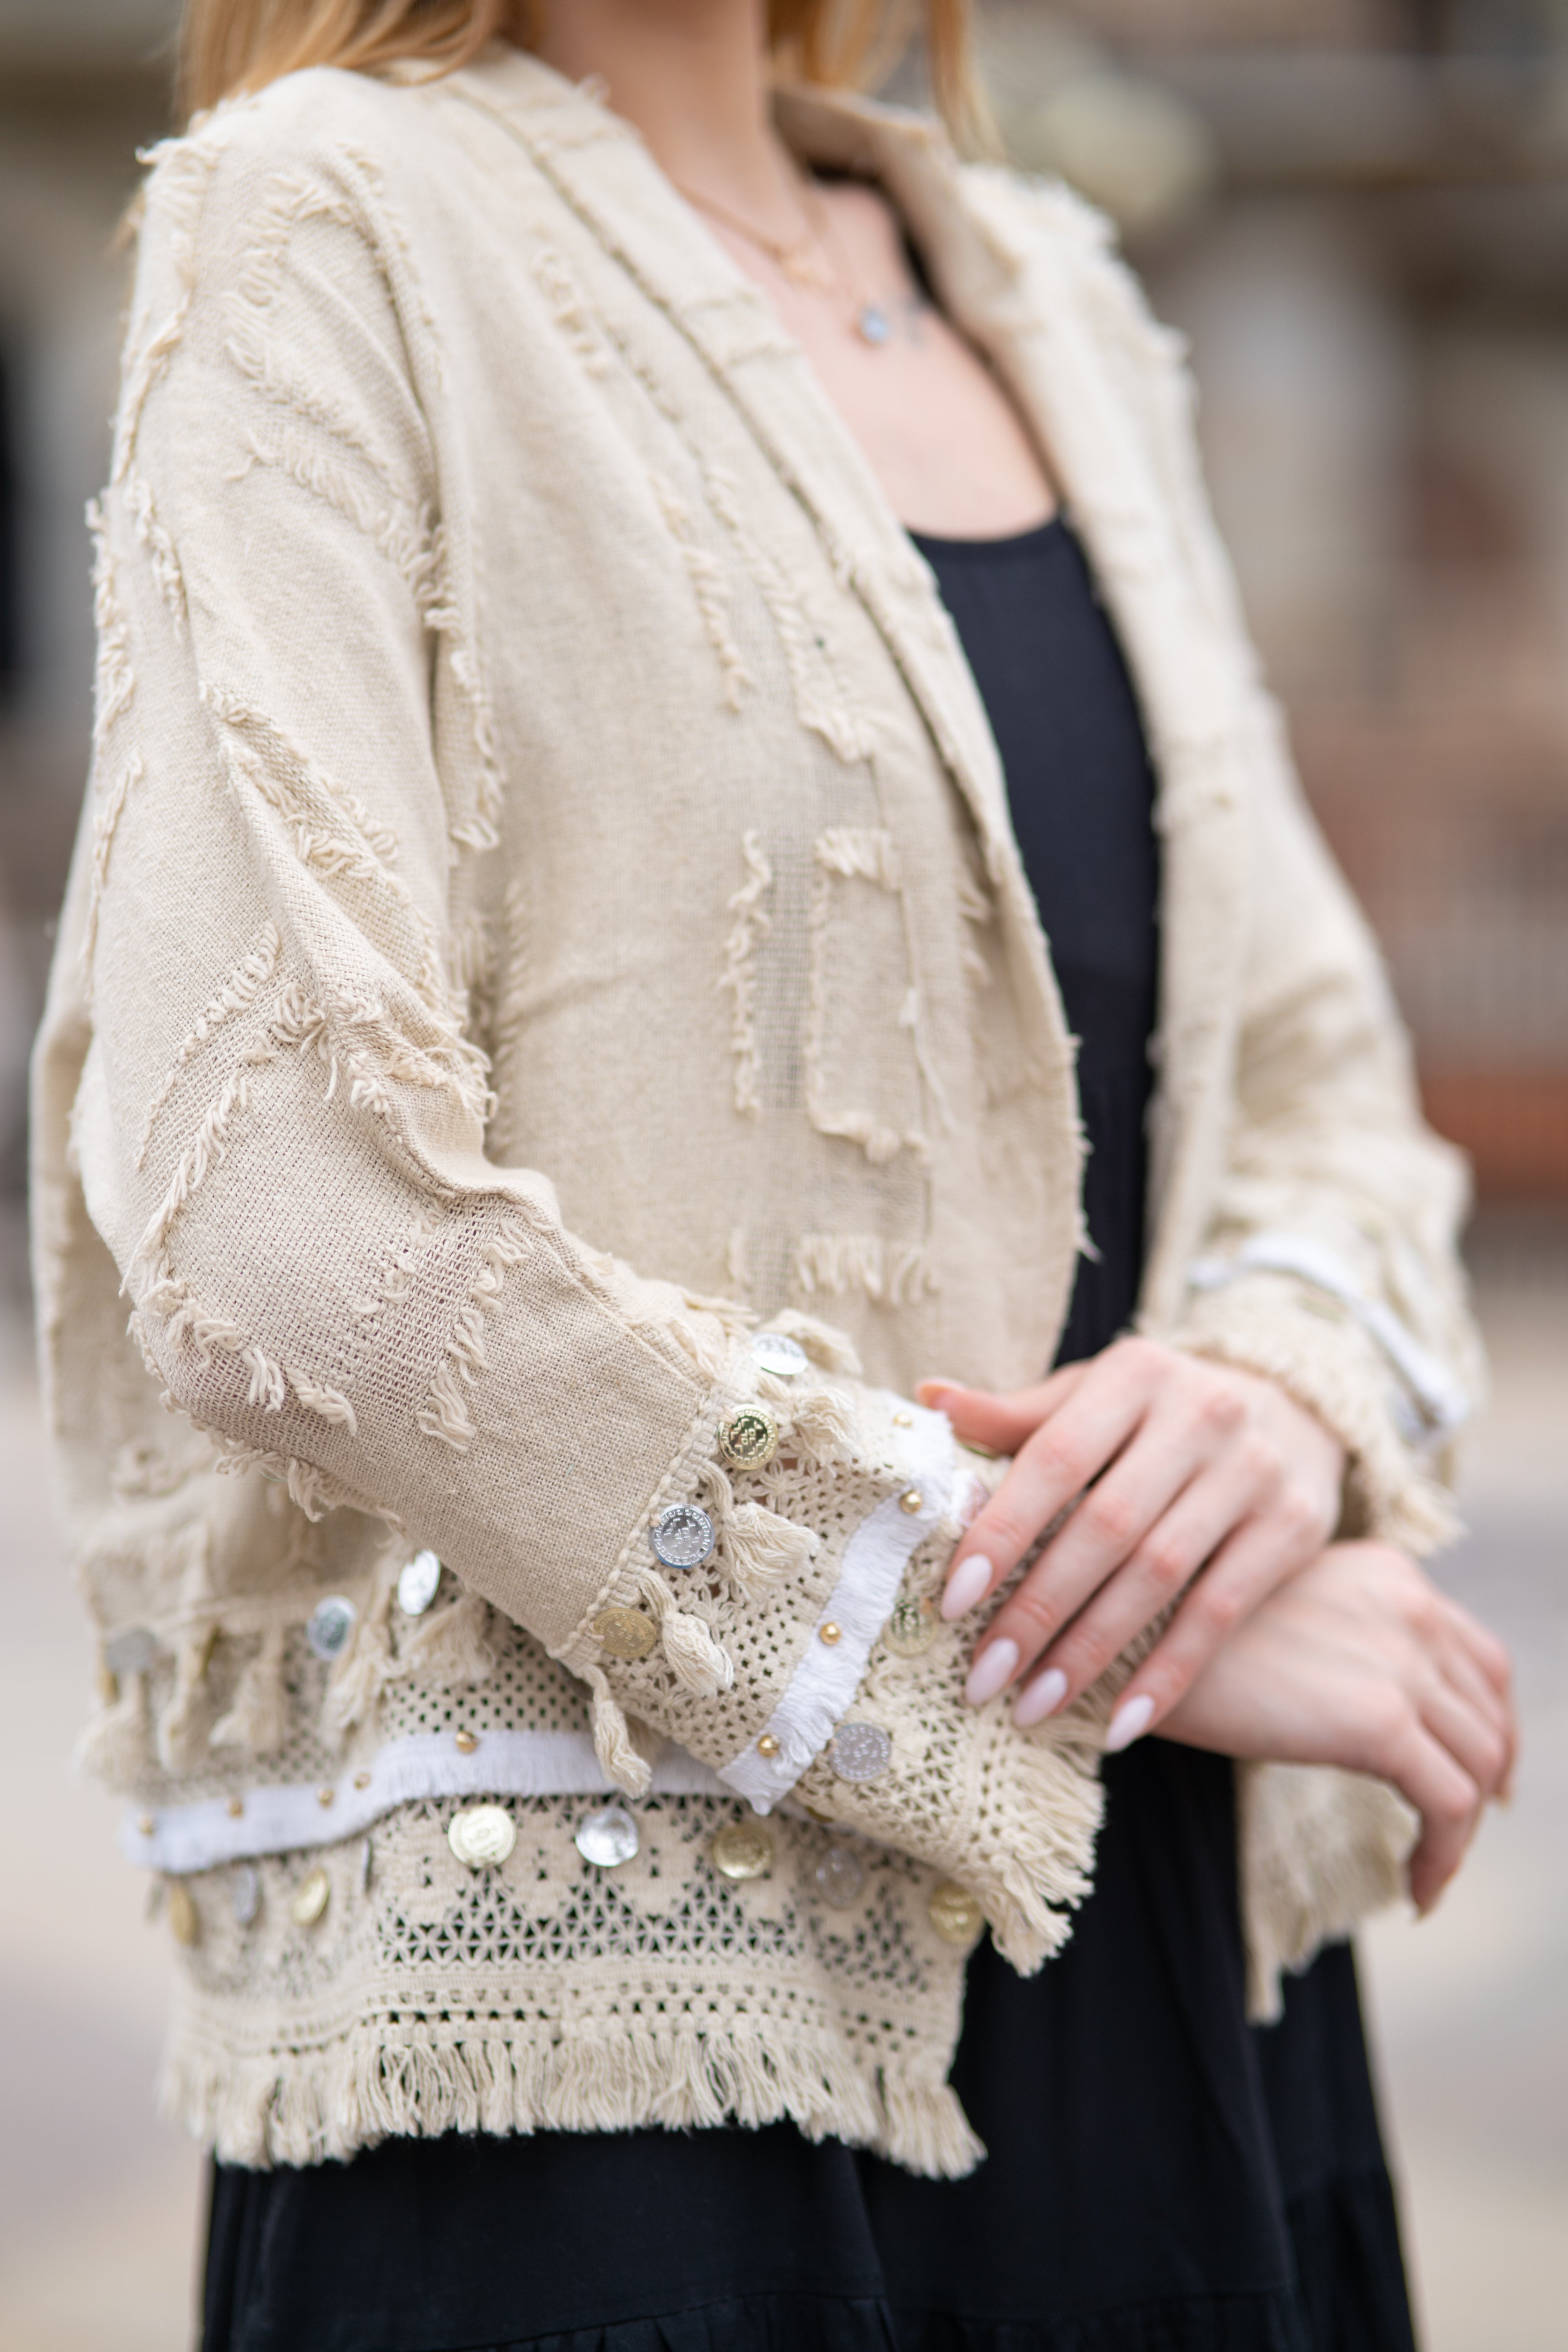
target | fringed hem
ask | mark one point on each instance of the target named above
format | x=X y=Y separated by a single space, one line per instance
x=1320 y=1851
x=301 y=2106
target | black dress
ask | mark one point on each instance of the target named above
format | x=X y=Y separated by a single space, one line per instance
x=1162 y=2177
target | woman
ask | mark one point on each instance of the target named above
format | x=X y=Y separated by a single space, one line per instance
x=582 y=527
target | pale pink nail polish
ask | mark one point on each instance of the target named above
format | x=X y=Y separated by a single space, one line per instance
x=992 y=1672
x=970 y=1582
x=1127 y=1724
x=1043 y=1697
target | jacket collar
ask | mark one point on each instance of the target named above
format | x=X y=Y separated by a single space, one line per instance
x=1007 y=263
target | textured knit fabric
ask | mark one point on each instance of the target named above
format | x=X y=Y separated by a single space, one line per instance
x=546 y=897
x=1158 y=2173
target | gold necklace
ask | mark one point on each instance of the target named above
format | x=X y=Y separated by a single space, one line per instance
x=792 y=256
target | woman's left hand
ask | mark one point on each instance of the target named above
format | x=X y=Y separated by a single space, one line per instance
x=1194 y=1479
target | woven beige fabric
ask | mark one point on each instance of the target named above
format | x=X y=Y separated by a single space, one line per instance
x=547 y=901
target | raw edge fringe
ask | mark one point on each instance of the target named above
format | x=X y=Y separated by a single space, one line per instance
x=1056 y=1806
x=454 y=1647
x=706 y=576
x=251 y=975
x=738 y=976
x=158 y=547
x=300 y=2107
x=891 y=1274
x=258 y=1719
x=105 y=821
x=444 y=1414
x=116 y=680
x=1320 y=1851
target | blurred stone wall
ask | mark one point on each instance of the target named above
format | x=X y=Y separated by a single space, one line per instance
x=1359 y=211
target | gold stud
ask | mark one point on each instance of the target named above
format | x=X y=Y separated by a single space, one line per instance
x=830 y=1632
x=311 y=1899
x=913 y=1501
x=903 y=1421
x=464 y=1742
x=362 y=1780
x=955 y=1915
x=767 y=1746
x=324 y=1797
x=185 y=1919
x=625 y=1632
x=235 y=1807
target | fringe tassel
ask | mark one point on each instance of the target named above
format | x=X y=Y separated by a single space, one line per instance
x=356 y=1682
x=114 y=1744
x=182 y=1727
x=822 y=1426
x=760 y=1547
x=619 y=1756
x=257 y=1717
x=699 y=1663
x=456 y=1647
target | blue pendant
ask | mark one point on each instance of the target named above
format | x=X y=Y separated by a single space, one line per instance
x=873 y=324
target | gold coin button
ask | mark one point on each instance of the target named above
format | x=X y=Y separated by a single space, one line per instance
x=464 y=1742
x=625 y=1632
x=912 y=1627
x=913 y=1501
x=749 y=1439
x=185 y=1919
x=955 y=1914
x=741 y=1850
x=311 y=1898
x=830 y=1632
x=767 y=1744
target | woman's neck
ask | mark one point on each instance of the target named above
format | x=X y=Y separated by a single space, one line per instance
x=692 y=76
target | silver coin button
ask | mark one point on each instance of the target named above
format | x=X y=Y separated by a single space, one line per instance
x=682 y=1536
x=860 y=1751
x=607 y=1837
x=331 y=1623
x=417 y=1583
x=245 y=1894
x=840 y=1876
x=785 y=1359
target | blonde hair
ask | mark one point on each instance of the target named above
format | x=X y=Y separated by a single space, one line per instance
x=227 y=45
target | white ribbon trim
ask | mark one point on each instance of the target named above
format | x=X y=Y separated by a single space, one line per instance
x=1443 y=1404
x=827 y=1676
x=285 y=1818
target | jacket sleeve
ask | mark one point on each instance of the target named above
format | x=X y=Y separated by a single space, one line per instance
x=280 y=1126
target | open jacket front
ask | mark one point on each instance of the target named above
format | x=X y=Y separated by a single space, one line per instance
x=547 y=903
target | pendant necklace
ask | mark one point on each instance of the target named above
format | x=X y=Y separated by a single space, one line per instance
x=794 y=256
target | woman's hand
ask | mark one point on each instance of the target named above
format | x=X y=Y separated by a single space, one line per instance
x=1360 y=1660
x=1188 y=1466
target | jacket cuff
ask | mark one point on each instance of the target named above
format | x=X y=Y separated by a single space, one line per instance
x=1323 y=1353
x=1320 y=1850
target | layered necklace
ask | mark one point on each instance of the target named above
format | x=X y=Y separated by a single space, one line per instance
x=802 y=260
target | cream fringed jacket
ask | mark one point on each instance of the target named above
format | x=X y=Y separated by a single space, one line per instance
x=546 y=912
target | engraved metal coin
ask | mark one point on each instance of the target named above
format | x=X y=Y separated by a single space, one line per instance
x=682 y=1536
x=955 y=1914
x=840 y=1876
x=785 y=1359
x=331 y=1623
x=607 y=1837
x=417 y=1583
x=743 y=1850
x=245 y=1894
x=185 y=1919
x=481 y=1834
x=749 y=1439
x=860 y=1751
x=132 y=1651
x=311 y=1898
x=625 y=1632
x=912 y=1627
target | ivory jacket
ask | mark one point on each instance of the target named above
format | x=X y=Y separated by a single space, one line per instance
x=545 y=910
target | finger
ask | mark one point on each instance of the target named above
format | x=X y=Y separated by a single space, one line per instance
x=1233 y=1579
x=1491 y=1656
x=999 y=1422
x=1475 y=1746
x=1441 y=1791
x=1049 y=1471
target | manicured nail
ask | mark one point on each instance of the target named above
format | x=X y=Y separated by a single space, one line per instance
x=991 y=1673
x=1127 y=1724
x=970 y=1582
x=930 y=1392
x=1043 y=1697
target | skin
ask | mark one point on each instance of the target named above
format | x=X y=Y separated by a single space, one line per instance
x=1206 y=1491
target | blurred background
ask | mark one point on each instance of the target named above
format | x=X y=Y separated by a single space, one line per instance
x=1358 y=210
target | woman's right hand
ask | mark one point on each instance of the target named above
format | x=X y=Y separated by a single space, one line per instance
x=1360 y=1660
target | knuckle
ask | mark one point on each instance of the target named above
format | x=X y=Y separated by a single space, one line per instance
x=1166 y=1564
x=1032 y=1614
x=1220 y=1608
x=1219 y=1407
x=1110 y=1518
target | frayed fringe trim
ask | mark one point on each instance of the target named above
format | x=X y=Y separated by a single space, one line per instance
x=889 y=1273
x=445 y=1413
x=298 y=2107
x=1320 y=1851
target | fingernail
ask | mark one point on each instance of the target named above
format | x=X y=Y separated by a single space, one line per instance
x=930 y=1392
x=1127 y=1724
x=970 y=1582
x=991 y=1673
x=1043 y=1697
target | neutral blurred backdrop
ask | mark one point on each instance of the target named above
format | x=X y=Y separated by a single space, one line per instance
x=1358 y=210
